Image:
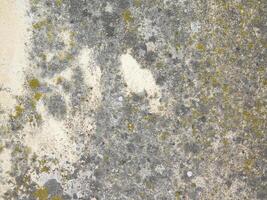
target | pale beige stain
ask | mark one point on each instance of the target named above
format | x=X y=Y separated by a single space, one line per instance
x=140 y=80
x=14 y=40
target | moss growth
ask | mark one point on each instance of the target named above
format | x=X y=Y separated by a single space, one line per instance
x=34 y=83
x=41 y=194
x=127 y=16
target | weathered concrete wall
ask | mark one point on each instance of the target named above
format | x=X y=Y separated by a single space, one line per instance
x=133 y=99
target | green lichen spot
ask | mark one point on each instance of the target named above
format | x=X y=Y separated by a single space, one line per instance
x=200 y=47
x=41 y=194
x=178 y=46
x=40 y=24
x=177 y=195
x=105 y=158
x=38 y=96
x=248 y=164
x=56 y=198
x=34 y=83
x=59 y=80
x=163 y=136
x=45 y=169
x=127 y=16
x=1 y=147
x=137 y=3
x=19 y=110
x=59 y=2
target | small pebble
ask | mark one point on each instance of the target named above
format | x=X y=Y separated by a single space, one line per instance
x=189 y=174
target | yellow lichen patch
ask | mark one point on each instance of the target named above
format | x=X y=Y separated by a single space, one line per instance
x=127 y=16
x=178 y=46
x=248 y=165
x=250 y=45
x=177 y=195
x=1 y=147
x=34 y=83
x=58 y=2
x=130 y=127
x=19 y=110
x=59 y=80
x=56 y=198
x=41 y=194
x=225 y=142
x=27 y=151
x=40 y=24
x=65 y=56
x=200 y=47
x=148 y=117
x=38 y=96
x=50 y=36
x=45 y=169
x=163 y=136
x=34 y=2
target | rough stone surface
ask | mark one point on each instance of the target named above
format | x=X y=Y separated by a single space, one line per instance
x=133 y=99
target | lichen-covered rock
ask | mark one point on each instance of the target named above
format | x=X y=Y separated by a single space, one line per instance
x=133 y=99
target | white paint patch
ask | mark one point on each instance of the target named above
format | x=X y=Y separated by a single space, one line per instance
x=139 y=80
x=92 y=75
x=13 y=39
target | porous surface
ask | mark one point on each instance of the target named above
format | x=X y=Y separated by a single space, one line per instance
x=133 y=100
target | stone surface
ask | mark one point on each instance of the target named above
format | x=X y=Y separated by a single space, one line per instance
x=133 y=99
